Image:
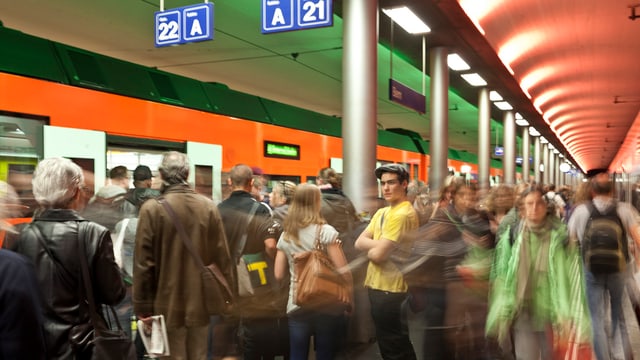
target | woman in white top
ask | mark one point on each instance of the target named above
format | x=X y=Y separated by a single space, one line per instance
x=300 y=229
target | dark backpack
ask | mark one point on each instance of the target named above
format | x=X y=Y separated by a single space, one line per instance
x=605 y=248
x=339 y=212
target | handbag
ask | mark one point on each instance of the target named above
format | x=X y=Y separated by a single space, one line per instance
x=216 y=289
x=107 y=344
x=319 y=285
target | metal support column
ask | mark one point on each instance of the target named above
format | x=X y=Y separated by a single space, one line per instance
x=545 y=163
x=359 y=97
x=484 y=139
x=526 y=154
x=439 y=109
x=509 y=158
x=537 y=160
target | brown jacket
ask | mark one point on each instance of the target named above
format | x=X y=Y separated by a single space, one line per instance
x=166 y=278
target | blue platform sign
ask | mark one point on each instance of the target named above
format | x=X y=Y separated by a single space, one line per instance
x=498 y=151
x=289 y=15
x=184 y=25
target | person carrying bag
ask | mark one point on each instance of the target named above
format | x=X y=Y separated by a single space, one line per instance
x=320 y=295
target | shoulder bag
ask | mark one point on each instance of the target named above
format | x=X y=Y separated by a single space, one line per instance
x=216 y=289
x=107 y=344
x=319 y=285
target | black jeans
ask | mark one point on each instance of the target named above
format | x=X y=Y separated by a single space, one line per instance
x=392 y=331
x=264 y=339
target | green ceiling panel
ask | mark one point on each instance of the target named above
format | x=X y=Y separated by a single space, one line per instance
x=395 y=140
x=234 y=103
x=298 y=118
x=28 y=55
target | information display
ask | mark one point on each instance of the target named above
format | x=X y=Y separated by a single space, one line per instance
x=281 y=150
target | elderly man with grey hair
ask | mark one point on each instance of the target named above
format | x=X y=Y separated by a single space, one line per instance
x=166 y=278
x=53 y=242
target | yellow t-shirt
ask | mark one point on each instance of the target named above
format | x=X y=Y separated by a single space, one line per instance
x=390 y=223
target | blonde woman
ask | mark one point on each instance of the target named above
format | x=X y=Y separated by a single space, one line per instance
x=300 y=228
x=280 y=199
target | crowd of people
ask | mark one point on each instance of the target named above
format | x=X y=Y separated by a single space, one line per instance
x=510 y=272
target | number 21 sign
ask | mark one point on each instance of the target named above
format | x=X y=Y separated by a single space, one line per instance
x=289 y=15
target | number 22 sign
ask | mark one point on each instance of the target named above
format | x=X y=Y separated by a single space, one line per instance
x=183 y=25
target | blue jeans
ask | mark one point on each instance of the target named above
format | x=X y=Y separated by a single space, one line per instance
x=598 y=288
x=327 y=330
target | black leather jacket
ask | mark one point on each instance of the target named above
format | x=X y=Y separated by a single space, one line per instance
x=60 y=278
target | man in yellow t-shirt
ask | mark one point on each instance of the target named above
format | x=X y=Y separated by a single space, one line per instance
x=385 y=283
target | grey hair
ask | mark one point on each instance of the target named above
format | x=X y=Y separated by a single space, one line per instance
x=174 y=168
x=56 y=181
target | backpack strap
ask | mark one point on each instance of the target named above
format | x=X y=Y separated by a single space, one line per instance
x=237 y=252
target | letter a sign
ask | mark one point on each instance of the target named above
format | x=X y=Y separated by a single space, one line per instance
x=184 y=24
x=288 y=15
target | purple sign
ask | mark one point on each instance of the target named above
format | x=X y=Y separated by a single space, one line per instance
x=406 y=96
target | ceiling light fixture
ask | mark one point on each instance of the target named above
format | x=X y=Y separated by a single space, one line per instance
x=495 y=96
x=456 y=63
x=503 y=105
x=474 y=79
x=543 y=140
x=522 y=122
x=533 y=131
x=404 y=17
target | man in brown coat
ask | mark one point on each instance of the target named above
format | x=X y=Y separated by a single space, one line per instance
x=166 y=277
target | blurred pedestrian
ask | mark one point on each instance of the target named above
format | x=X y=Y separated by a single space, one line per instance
x=166 y=278
x=21 y=331
x=51 y=241
x=537 y=292
x=606 y=271
x=257 y=328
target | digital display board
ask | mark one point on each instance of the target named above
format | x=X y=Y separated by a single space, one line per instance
x=281 y=150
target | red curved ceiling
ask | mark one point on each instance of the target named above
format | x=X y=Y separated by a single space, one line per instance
x=572 y=58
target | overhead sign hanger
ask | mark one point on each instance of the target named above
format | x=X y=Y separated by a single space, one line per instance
x=191 y=23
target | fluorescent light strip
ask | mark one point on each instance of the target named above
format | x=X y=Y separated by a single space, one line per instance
x=503 y=105
x=474 y=79
x=522 y=122
x=533 y=131
x=495 y=96
x=518 y=116
x=404 y=17
x=456 y=63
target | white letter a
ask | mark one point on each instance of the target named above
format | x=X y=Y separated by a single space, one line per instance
x=195 y=28
x=278 y=17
